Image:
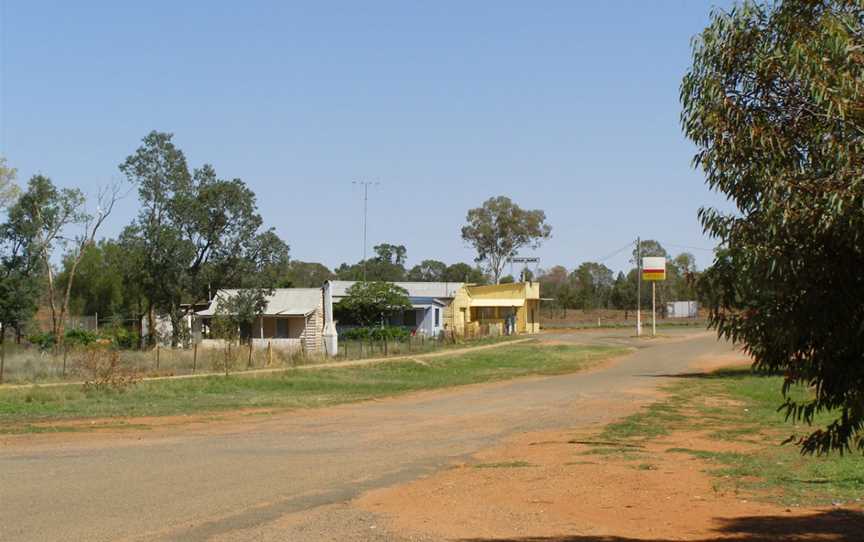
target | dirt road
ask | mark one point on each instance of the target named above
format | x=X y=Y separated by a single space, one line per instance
x=239 y=481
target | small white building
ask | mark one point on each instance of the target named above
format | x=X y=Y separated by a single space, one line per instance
x=293 y=320
x=682 y=309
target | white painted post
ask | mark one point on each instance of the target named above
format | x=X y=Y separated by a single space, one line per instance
x=653 y=309
x=638 y=287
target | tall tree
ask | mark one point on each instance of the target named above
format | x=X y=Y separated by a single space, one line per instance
x=773 y=102
x=20 y=278
x=43 y=215
x=499 y=228
x=195 y=231
x=159 y=169
x=593 y=284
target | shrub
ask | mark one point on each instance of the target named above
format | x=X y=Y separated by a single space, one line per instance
x=44 y=341
x=80 y=337
x=101 y=369
x=390 y=333
x=123 y=338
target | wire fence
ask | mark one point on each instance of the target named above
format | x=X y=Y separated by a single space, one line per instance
x=21 y=364
x=558 y=318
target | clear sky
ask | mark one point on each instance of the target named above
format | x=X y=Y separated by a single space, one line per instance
x=571 y=107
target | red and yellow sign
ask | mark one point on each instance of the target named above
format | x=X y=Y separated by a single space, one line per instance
x=653 y=268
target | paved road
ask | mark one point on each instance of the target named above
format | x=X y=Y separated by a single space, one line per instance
x=230 y=481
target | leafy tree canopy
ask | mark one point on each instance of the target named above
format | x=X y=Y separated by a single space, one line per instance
x=773 y=102
x=499 y=228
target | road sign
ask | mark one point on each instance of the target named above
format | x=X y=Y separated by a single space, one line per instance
x=653 y=268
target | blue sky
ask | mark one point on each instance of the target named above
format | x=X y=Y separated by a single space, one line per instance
x=570 y=107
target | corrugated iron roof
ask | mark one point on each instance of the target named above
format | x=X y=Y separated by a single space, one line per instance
x=445 y=290
x=283 y=302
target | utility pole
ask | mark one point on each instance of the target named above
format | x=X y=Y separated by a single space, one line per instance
x=365 y=185
x=638 y=287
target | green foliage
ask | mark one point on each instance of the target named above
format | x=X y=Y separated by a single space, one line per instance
x=100 y=285
x=592 y=285
x=73 y=337
x=193 y=230
x=380 y=333
x=81 y=337
x=122 y=338
x=43 y=341
x=9 y=191
x=373 y=303
x=772 y=101
x=499 y=228
x=462 y=272
x=428 y=271
x=299 y=274
x=388 y=265
x=238 y=310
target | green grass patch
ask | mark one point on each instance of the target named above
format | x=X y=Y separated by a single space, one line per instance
x=293 y=388
x=736 y=405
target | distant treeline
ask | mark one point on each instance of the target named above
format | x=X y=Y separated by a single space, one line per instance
x=592 y=285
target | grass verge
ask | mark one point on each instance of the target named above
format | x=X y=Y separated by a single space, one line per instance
x=33 y=409
x=736 y=406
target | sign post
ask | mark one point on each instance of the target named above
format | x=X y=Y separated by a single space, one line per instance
x=653 y=270
x=639 y=287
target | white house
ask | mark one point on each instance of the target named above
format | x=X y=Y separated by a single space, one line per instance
x=293 y=320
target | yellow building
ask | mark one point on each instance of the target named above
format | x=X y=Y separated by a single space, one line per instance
x=495 y=309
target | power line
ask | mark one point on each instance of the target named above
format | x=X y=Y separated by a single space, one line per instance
x=619 y=251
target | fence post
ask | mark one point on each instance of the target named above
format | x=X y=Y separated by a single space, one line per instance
x=249 y=363
x=269 y=353
x=194 y=357
x=2 y=354
x=157 y=357
x=65 y=355
x=385 y=346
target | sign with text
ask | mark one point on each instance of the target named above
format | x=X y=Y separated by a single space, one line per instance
x=653 y=268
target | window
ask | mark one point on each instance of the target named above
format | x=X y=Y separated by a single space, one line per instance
x=281 y=328
x=437 y=317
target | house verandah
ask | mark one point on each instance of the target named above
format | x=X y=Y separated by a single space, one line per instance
x=293 y=321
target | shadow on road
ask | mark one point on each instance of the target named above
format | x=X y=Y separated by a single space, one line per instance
x=833 y=526
x=730 y=372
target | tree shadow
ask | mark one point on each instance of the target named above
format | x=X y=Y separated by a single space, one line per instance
x=831 y=526
x=724 y=373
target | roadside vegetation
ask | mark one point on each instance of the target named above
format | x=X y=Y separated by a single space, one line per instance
x=33 y=409
x=753 y=455
x=30 y=365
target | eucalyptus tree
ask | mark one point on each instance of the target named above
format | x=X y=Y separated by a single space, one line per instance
x=499 y=228
x=195 y=231
x=773 y=102
x=41 y=219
